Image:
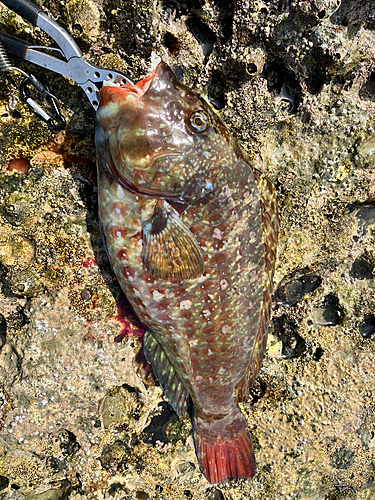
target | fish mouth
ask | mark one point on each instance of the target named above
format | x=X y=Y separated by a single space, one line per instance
x=161 y=73
x=141 y=87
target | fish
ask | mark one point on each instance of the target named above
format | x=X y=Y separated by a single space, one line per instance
x=191 y=231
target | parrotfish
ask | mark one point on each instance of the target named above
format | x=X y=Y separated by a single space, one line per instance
x=191 y=231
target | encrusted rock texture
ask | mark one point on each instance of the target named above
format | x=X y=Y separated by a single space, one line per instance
x=81 y=415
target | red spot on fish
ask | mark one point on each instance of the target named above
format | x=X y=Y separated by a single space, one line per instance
x=118 y=232
x=128 y=271
x=122 y=254
x=118 y=209
x=20 y=165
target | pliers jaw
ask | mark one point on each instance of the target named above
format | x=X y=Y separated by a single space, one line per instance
x=89 y=76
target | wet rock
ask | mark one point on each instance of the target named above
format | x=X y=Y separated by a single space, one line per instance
x=202 y=33
x=328 y=312
x=84 y=19
x=171 y=42
x=24 y=468
x=116 y=488
x=293 y=345
x=363 y=266
x=365 y=435
x=24 y=282
x=67 y=441
x=179 y=430
x=58 y=492
x=282 y=82
x=142 y=495
x=318 y=354
x=293 y=287
x=18 y=208
x=214 y=494
x=10 y=365
x=365 y=214
x=185 y=467
x=115 y=456
x=17 y=250
x=343 y=458
x=342 y=493
x=3 y=330
x=53 y=463
x=156 y=430
x=367 y=326
x=4 y=482
x=121 y=406
x=215 y=93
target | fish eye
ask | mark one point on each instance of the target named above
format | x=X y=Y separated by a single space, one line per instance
x=199 y=121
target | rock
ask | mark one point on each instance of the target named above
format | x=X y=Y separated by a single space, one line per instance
x=185 y=467
x=121 y=406
x=24 y=282
x=3 y=330
x=155 y=432
x=115 y=456
x=365 y=214
x=342 y=493
x=10 y=365
x=343 y=458
x=214 y=494
x=328 y=312
x=142 y=495
x=67 y=442
x=4 y=482
x=366 y=327
x=293 y=345
x=84 y=19
x=363 y=266
x=57 y=492
x=293 y=287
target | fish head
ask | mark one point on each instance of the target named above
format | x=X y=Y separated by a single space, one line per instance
x=163 y=138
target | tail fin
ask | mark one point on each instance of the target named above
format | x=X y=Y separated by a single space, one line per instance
x=224 y=451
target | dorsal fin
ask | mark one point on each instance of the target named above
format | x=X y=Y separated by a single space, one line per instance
x=170 y=250
x=270 y=221
x=165 y=373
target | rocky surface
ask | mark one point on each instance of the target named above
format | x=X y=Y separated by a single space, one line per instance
x=80 y=413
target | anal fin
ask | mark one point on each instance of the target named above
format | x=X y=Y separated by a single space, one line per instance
x=165 y=373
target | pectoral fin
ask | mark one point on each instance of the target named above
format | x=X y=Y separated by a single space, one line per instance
x=170 y=250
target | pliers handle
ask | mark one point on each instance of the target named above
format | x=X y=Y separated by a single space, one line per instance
x=76 y=67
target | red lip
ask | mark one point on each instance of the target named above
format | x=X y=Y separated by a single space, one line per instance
x=113 y=94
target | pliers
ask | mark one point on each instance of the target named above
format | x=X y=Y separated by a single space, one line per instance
x=75 y=66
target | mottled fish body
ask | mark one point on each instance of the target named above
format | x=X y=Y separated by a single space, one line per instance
x=191 y=231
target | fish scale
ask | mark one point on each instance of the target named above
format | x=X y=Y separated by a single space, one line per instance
x=191 y=231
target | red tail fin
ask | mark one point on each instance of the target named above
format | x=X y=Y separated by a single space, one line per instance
x=224 y=451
